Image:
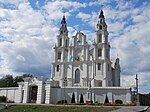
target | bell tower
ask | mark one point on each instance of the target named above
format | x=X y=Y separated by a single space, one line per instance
x=102 y=52
x=102 y=34
x=62 y=42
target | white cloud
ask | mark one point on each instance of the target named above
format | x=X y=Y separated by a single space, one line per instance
x=33 y=34
x=32 y=40
x=55 y=8
x=83 y=16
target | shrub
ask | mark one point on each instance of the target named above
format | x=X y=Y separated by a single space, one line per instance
x=118 y=101
x=73 y=98
x=62 y=102
x=10 y=101
x=3 y=99
x=106 y=99
x=81 y=99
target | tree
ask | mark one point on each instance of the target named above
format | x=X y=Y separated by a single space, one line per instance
x=27 y=75
x=9 y=81
x=17 y=79
x=118 y=101
x=6 y=81
x=106 y=99
x=73 y=98
x=81 y=99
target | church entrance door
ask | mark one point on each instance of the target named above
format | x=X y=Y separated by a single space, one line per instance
x=33 y=94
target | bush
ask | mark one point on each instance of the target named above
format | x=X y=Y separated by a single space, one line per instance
x=81 y=99
x=3 y=99
x=73 y=98
x=118 y=101
x=106 y=100
x=62 y=102
x=10 y=101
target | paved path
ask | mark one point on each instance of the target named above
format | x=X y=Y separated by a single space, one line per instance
x=131 y=109
x=148 y=110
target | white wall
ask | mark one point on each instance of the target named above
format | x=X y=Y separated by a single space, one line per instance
x=11 y=93
x=98 y=94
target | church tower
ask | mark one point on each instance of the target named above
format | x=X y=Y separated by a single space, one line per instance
x=61 y=52
x=102 y=53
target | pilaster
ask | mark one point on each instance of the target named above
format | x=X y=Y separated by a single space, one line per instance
x=20 y=97
x=26 y=92
x=40 y=93
x=48 y=91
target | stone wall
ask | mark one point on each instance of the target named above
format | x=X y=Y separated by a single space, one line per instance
x=11 y=93
x=97 y=94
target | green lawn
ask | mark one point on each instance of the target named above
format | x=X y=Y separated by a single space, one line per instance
x=39 y=108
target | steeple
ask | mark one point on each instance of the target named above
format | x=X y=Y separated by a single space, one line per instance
x=63 y=28
x=101 y=25
x=101 y=14
x=117 y=65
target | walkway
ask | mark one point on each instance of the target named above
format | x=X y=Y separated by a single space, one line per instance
x=131 y=109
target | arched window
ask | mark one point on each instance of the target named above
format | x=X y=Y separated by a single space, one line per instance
x=60 y=42
x=100 y=27
x=66 y=44
x=77 y=76
x=99 y=52
x=59 y=55
x=57 y=69
x=99 y=66
x=100 y=38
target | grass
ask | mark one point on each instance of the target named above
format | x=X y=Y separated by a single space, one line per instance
x=43 y=108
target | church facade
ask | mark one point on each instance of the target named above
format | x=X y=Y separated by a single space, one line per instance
x=79 y=70
x=84 y=65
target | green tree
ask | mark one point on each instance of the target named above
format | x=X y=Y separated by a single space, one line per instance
x=9 y=81
x=81 y=99
x=17 y=79
x=6 y=81
x=106 y=99
x=73 y=98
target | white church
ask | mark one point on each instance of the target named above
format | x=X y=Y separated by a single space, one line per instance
x=79 y=70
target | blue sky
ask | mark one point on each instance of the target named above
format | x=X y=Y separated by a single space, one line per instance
x=28 y=30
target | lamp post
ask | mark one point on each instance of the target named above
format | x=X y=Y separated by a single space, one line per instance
x=65 y=80
x=137 y=95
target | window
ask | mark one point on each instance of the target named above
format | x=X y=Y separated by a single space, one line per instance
x=57 y=68
x=99 y=66
x=100 y=38
x=99 y=52
x=100 y=27
x=66 y=43
x=100 y=83
x=60 y=42
x=108 y=67
x=77 y=76
x=59 y=55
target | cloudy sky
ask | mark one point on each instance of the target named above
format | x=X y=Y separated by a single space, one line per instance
x=28 y=30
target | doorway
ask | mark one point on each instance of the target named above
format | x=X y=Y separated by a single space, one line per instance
x=33 y=94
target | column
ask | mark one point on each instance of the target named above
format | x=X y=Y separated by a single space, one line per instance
x=48 y=87
x=26 y=92
x=19 y=98
x=104 y=83
x=109 y=94
x=40 y=93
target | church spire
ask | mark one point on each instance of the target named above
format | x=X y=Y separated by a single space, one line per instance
x=63 y=28
x=63 y=21
x=101 y=25
x=101 y=14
